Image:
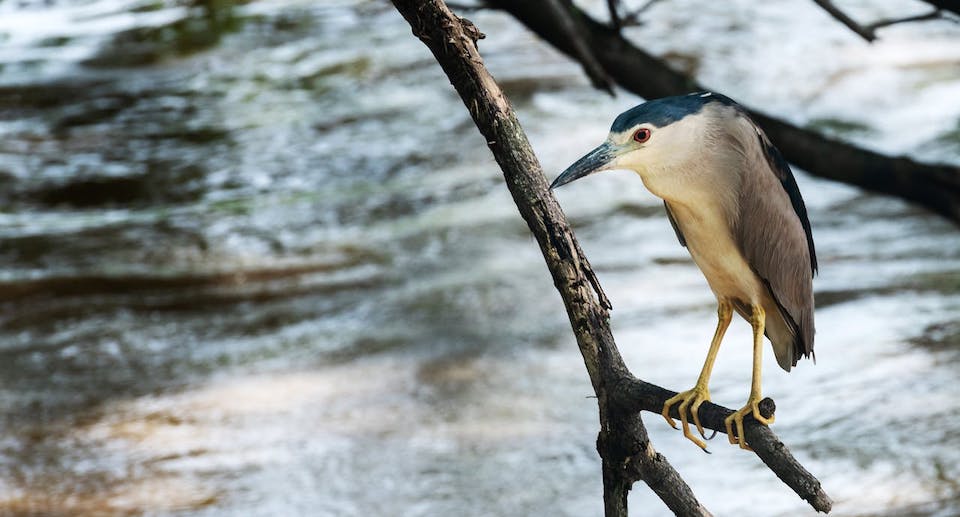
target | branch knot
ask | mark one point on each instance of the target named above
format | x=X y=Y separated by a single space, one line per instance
x=471 y=31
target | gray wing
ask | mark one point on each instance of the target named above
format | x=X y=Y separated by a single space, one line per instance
x=773 y=233
x=781 y=168
x=676 y=227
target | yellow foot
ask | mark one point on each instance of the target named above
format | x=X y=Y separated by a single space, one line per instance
x=736 y=419
x=689 y=400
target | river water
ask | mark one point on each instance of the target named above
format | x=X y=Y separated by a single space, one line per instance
x=256 y=260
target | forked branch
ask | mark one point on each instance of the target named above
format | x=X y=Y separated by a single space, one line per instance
x=869 y=32
x=625 y=449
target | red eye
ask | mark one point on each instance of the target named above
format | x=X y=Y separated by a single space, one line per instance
x=642 y=135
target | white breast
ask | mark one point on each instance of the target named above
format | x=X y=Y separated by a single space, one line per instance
x=716 y=254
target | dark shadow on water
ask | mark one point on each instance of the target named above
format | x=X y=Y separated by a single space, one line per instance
x=943 y=507
x=940 y=336
x=203 y=28
x=945 y=282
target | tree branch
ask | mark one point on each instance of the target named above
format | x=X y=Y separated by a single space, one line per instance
x=634 y=394
x=625 y=449
x=453 y=43
x=936 y=14
x=864 y=32
x=612 y=6
x=568 y=24
x=946 y=5
x=633 y=18
x=869 y=32
x=934 y=186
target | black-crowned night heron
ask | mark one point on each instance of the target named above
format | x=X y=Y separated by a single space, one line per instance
x=735 y=206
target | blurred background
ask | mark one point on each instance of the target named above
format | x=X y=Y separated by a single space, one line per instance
x=256 y=260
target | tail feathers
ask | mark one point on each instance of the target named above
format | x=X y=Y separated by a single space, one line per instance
x=790 y=341
x=785 y=341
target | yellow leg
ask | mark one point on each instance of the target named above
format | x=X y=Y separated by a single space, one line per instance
x=693 y=398
x=757 y=321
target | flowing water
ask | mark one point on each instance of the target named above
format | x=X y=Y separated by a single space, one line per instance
x=256 y=260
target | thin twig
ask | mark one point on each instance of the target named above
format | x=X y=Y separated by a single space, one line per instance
x=946 y=5
x=869 y=32
x=936 y=14
x=598 y=76
x=633 y=18
x=612 y=6
x=864 y=32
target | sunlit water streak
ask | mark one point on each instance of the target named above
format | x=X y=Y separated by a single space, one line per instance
x=279 y=274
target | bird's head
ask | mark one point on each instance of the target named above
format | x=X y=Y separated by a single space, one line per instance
x=660 y=140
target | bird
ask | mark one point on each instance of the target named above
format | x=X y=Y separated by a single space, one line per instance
x=735 y=206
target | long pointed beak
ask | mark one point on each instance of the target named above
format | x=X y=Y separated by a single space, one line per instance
x=594 y=161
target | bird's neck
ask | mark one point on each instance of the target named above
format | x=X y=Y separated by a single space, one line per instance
x=689 y=183
x=699 y=192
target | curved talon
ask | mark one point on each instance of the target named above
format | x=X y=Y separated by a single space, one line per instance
x=727 y=422
x=689 y=400
x=695 y=412
x=666 y=409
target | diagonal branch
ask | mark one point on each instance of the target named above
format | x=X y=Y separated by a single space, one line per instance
x=613 y=6
x=637 y=395
x=569 y=25
x=946 y=5
x=622 y=436
x=625 y=449
x=869 y=32
x=633 y=18
x=936 y=14
x=842 y=17
x=617 y=22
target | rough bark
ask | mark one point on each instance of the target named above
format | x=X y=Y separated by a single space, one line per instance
x=635 y=394
x=625 y=449
x=934 y=186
